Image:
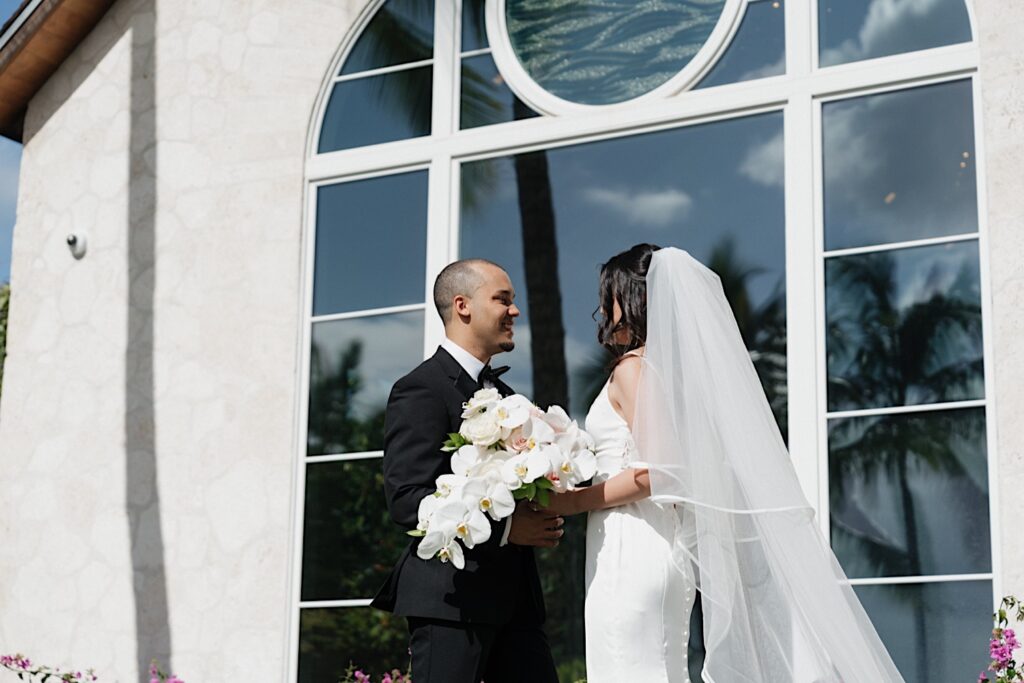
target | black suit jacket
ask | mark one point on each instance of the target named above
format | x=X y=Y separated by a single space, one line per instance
x=424 y=407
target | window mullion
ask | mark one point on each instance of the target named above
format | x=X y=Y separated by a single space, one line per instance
x=439 y=235
x=801 y=37
x=445 y=64
x=800 y=298
x=987 y=334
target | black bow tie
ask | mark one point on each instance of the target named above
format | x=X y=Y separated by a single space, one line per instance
x=489 y=374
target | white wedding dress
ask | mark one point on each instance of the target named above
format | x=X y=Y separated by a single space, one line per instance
x=638 y=601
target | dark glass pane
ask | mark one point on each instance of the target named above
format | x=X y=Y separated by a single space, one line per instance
x=575 y=207
x=758 y=49
x=353 y=364
x=474 y=33
x=401 y=31
x=330 y=640
x=909 y=493
x=904 y=327
x=376 y=109
x=900 y=166
x=851 y=30
x=371 y=242
x=349 y=543
x=485 y=97
x=934 y=631
x=604 y=51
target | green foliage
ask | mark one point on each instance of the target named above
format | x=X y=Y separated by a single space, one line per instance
x=573 y=671
x=335 y=384
x=539 y=490
x=331 y=639
x=455 y=442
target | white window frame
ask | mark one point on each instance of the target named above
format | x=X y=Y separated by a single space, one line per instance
x=799 y=94
x=523 y=85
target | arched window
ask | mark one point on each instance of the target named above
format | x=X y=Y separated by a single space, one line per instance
x=821 y=157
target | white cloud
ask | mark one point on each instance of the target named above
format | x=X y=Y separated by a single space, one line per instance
x=775 y=69
x=885 y=28
x=763 y=163
x=656 y=209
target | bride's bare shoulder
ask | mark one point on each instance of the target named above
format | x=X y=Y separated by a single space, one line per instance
x=622 y=384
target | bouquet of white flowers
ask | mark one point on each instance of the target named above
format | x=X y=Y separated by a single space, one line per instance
x=506 y=449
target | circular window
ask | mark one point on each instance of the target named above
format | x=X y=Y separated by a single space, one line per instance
x=577 y=54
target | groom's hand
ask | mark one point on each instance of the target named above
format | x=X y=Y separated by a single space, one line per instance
x=535 y=527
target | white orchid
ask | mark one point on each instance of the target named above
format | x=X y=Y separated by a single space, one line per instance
x=513 y=411
x=573 y=439
x=446 y=548
x=471 y=526
x=557 y=418
x=450 y=485
x=426 y=509
x=538 y=432
x=489 y=494
x=453 y=521
x=525 y=468
x=575 y=468
x=467 y=459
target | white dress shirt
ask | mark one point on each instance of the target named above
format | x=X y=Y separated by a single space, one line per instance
x=472 y=365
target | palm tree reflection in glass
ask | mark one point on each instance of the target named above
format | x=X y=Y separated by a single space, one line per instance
x=891 y=346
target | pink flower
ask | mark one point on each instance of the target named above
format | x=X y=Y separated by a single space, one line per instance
x=1011 y=638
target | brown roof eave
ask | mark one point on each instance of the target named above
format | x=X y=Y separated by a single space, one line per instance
x=45 y=32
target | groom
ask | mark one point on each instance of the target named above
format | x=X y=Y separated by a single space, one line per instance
x=483 y=622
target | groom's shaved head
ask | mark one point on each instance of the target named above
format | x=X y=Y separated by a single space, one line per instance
x=459 y=278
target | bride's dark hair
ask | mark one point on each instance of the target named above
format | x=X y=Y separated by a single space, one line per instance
x=624 y=278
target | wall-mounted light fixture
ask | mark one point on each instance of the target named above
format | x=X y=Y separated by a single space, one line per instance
x=76 y=243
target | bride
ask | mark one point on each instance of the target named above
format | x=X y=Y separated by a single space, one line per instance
x=695 y=492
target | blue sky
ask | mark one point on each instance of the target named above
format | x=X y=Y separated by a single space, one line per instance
x=10 y=158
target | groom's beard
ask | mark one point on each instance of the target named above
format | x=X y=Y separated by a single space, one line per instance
x=507 y=346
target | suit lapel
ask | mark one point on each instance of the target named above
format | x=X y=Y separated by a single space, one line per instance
x=461 y=380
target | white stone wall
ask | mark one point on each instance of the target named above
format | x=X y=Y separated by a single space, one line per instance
x=1000 y=28
x=233 y=89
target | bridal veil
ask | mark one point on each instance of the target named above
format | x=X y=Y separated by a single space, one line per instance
x=777 y=606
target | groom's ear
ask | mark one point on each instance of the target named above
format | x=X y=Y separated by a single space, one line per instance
x=460 y=306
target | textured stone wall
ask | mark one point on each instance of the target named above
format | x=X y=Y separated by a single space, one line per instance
x=1000 y=27
x=149 y=392
x=150 y=387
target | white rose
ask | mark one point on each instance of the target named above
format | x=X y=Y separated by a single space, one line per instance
x=483 y=429
x=481 y=402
